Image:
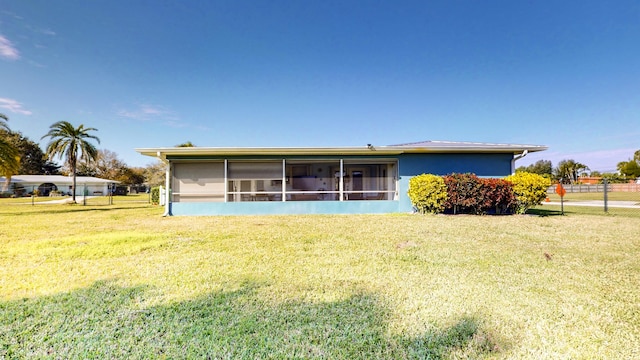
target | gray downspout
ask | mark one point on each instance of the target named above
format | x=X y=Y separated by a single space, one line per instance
x=517 y=157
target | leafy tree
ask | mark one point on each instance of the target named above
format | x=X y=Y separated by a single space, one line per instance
x=51 y=168
x=568 y=171
x=106 y=165
x=9 y=154
x=131 y=176
x=73 y=144
x=83 y=168
x=33 y=161
x=613 y=178
x=541 y=167
x=186 y=144
x=154 y=174
x=631 y=168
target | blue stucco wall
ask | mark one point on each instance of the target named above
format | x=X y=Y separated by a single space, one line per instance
x=409 y=165
x=483 y=165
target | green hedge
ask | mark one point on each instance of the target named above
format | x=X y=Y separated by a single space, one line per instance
x=155 y=195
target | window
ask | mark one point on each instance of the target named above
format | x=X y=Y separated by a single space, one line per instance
x=365 y=180
x=254 y=181
x=198 y=182
x=309 y=180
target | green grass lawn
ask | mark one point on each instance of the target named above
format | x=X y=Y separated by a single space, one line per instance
x=120 y=281
x=613 y=196
x=98 y=200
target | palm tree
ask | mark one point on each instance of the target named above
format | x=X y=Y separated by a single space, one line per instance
x=9 y=154
x=570 y=170
x=72 y=143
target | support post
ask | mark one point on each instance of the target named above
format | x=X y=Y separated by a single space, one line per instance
x=341 y=185
x=167 y=201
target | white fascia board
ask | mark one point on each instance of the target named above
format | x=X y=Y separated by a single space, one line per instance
x=516 y=149
x=211 y=151
x=162 y=153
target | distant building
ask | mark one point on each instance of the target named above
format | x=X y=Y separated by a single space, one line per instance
x=591 y=180
x=86 y=185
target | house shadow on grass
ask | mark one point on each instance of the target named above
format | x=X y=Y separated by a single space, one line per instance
x=63 y=209
x=106 y=321
x=544 y=212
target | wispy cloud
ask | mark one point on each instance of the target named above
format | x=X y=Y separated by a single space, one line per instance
x=202 y=128
x=48 y=32
x=36 y=64
x=153 y=113
x=8 y=50
x=13 y=106
x=39 y=30
x=13 y=15
x=175 y=124
x=147 y=112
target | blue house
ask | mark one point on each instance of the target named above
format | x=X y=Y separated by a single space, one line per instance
x=318 y=180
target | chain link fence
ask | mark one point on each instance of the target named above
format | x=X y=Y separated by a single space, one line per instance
x=605 y=198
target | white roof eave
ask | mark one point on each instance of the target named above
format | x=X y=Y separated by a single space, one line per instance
x=163 y=153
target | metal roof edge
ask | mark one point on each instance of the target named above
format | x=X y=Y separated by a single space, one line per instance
x=173 y=151
x=433 y=147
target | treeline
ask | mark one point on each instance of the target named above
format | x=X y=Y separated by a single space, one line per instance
x=21 y=155
x=569 y=171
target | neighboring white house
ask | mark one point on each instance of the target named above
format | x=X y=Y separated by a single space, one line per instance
x=85 y=185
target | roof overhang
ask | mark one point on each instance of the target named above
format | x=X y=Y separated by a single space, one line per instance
x=417 y=148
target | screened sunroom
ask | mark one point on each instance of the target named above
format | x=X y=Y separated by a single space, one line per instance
x=284 y=180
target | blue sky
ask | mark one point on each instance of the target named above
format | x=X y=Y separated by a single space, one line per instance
x=565 y=74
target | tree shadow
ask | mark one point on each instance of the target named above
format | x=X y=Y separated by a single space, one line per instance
x=108 y=321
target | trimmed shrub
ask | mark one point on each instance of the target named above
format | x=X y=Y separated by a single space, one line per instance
x=530 y=189
x=428 y=193
x=155 y=195
x=498 y=197
x=464 y=194
x=469 y=194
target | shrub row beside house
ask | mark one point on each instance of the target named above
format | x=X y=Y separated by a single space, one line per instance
x=469 y=194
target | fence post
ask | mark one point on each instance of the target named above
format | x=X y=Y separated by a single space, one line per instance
x=605 y=196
